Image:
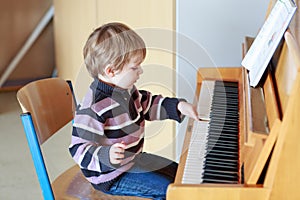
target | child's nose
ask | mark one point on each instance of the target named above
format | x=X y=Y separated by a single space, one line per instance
x=141 y=70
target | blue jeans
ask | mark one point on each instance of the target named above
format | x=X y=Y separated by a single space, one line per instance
x=149 y=178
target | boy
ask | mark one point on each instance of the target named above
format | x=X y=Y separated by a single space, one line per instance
x=108 y=129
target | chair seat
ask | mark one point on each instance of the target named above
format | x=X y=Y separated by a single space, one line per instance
x=72 y=185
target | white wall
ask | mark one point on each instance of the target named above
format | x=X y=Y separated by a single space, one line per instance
x=210 y=34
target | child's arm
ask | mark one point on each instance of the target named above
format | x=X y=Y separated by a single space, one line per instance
x=157 y=107
x=188 y=109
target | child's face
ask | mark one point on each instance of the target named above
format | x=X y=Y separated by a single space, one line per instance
x=130 y=73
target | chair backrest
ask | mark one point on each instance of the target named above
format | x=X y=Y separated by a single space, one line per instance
x=50 y=103
x=47 y=106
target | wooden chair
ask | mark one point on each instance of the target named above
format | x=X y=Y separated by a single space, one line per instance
x=47 y=106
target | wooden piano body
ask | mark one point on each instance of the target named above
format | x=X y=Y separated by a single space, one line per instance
x=271 y=161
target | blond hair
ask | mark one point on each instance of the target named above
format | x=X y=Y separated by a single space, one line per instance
x=111 y=44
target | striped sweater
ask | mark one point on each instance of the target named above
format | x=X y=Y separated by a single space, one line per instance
x=109 y=115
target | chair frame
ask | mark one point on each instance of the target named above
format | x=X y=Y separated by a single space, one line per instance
x=37 y=156
x=36 y=152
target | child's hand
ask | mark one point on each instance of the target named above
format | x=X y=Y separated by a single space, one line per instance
x=188 y=110
x=116 y=153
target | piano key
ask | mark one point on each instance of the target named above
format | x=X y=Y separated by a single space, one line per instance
x=223 y=138
x=232 y=165
x=221 y=170
x=222 y=148
x=224 y=145
x=226 y=161
x=213 y=150
x=220 y=154
x=224 y=141
x=205 y=99
x=220 y=177
x=196 y=154
x=233 y=147
x=226 y=132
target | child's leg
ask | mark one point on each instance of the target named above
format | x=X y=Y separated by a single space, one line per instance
x=149 y=178
x=157 y=163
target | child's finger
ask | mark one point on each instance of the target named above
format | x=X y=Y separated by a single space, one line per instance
x=118 y=156
x=120 y=145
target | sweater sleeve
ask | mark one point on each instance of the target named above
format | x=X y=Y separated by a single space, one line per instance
x=86 y=148
x=169 y=109
x=156 y=107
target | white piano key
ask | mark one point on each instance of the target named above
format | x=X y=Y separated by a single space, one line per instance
x=205 y=99
x=196 y=154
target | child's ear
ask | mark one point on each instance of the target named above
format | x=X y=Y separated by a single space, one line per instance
x=109 y=71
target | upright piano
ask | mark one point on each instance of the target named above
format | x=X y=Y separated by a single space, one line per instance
x=247 y=143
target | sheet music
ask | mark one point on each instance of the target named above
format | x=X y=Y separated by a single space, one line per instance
x=268 y=38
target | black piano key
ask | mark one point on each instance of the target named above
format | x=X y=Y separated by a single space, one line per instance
x=230 y=113
x=227 y=88
x=230 y=98
x=222 y=108
x=222 y=137
x=221 y=160
x=223 y=115
x=218 y=148
x=225 y=142
x=232 y=165
x=219 y=174
x=219 y=177
x=225 y=96
x=222 y=156
x=222 y=148
x=229 y=146
x=224 y=161
x=228 y=131
x=226 y=83
x=224 y=123
x=222 y=112
x=226 y=91
x=232 y=147
x=220 y=169
x=224 y=102
x=224 y=129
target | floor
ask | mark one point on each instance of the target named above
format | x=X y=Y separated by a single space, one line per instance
x=17 y=175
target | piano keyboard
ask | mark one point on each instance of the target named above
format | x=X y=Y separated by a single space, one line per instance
x=214 y=145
